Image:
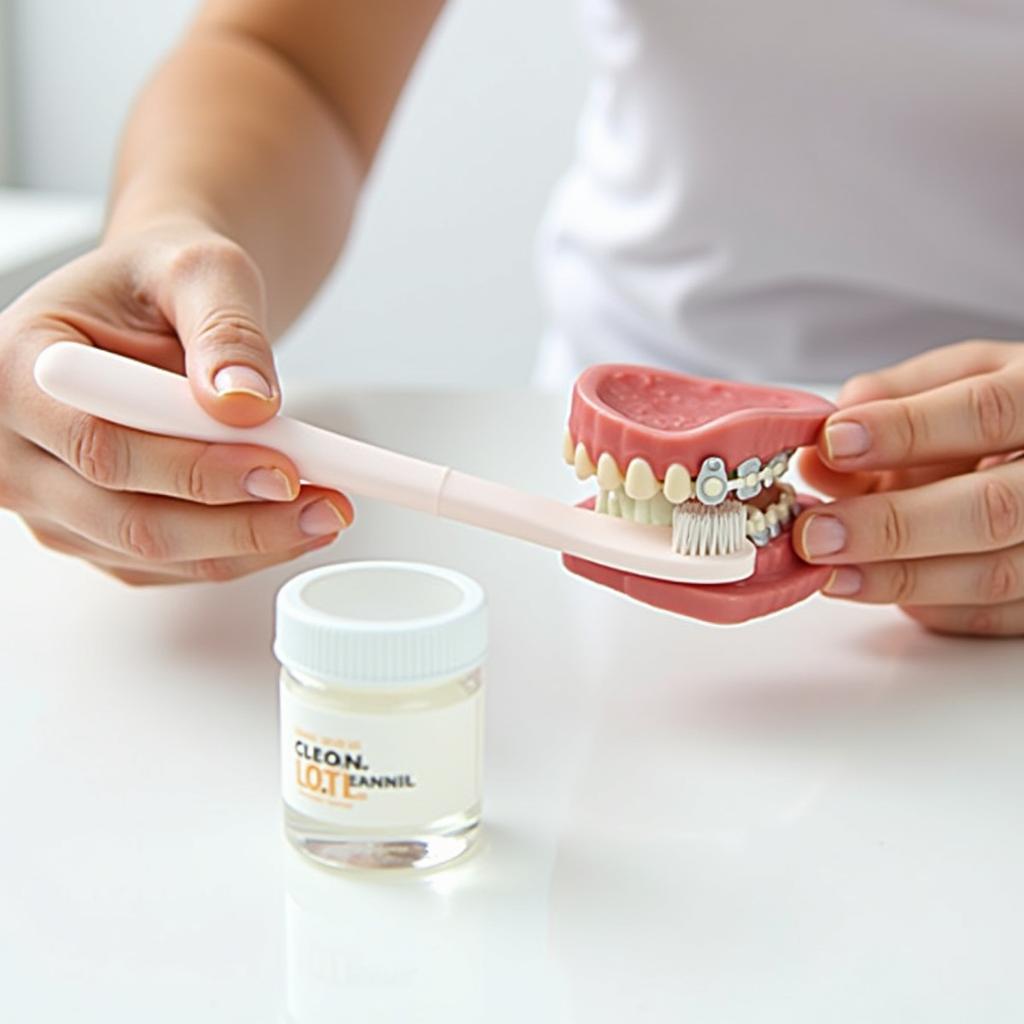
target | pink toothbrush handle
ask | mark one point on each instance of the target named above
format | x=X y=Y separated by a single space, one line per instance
x=138 y=395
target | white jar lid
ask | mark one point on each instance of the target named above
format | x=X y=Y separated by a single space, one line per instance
x=378 y=623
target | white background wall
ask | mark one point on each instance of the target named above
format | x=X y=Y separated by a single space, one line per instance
x=5 y=72
x=438 y=285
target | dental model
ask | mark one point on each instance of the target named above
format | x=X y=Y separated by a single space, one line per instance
x=691 y=515
x=700 y=462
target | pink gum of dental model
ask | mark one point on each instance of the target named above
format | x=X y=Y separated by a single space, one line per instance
x=663 y=417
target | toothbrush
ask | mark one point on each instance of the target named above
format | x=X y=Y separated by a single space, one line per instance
x=144 y=397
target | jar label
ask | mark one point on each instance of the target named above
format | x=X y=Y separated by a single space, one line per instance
x=401 y=770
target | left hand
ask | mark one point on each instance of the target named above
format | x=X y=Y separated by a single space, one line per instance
x=924 y=460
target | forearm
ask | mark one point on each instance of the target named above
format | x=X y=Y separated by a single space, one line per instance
x=230 y=135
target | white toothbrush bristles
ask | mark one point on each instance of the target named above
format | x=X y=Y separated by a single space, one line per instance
x=699 y=529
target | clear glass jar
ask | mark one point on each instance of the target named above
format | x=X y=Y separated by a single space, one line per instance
x=381 y=713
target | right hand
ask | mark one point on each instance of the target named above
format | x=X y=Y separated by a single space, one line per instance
x=142 y=507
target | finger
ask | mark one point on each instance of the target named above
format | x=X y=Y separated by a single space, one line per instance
x=997 y=460
x=925 y=371
x=212 y=292
x=991 y=578
x=61 y=540
x=1001 y=620
x=968 y=418
x=135 y=578
x=118 y=458
x=838 y=484
x=982 y=511
x=157 y=529
x=208 y=570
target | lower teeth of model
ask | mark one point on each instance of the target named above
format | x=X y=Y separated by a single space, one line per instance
x=765 y=525
x=657 y=510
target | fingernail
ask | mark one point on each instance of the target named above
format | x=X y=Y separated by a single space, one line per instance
x=847 y=439
x=242 y=380
x=824 y=535
x=269 y=485
x=320 y=519
x=844 y=582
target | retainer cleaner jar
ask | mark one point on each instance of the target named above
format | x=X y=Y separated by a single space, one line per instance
x=381 y=713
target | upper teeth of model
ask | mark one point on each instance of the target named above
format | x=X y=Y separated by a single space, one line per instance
x=639 y=495
x=712 y=486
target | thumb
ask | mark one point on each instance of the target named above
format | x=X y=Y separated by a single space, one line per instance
x=214 y=297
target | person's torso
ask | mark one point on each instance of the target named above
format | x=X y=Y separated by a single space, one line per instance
x=798 y=189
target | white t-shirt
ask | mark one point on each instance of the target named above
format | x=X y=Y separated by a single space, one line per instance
x=794 y=189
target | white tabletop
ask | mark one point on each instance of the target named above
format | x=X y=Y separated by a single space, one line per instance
x=812 y=818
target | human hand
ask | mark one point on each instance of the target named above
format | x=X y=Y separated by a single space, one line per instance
x=930 y=509
x=141 y=507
